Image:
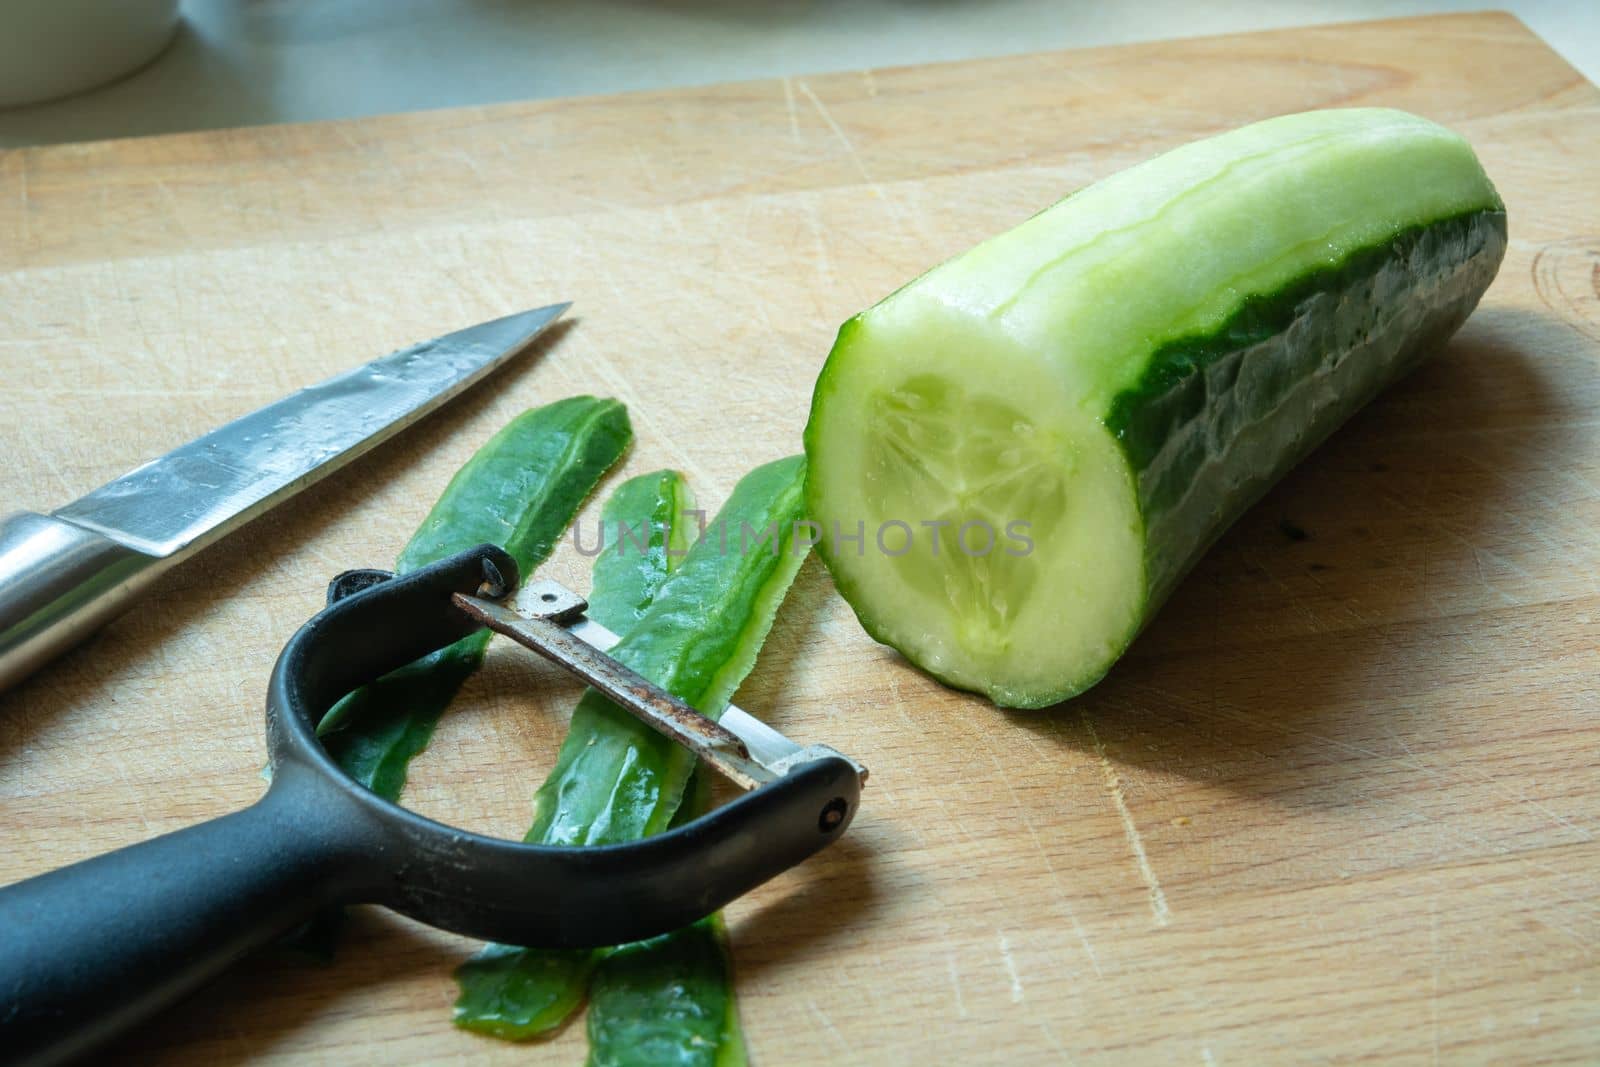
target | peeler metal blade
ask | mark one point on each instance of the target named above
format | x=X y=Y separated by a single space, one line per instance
x=739 y=746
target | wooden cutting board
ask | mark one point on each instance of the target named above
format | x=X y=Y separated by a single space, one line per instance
x=1339 y=803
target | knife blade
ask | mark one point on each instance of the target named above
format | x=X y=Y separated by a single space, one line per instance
x=65 y=574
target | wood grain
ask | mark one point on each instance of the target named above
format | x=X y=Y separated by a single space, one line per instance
x=1337 y=805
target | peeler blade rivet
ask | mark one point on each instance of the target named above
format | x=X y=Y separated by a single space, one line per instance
x=833 y=815
x=548 y=598
x=494 y=583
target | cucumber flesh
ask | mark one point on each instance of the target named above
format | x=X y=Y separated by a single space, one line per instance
x=1096 y=394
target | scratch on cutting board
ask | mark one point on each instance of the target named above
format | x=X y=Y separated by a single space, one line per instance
x=1494 y=784
x=1433 y=1001
x=1158 y=898
x=49 y=462
x=1050 y=867
x=955 y=982
x=827 y=1024
x=1535 y=530
x=333 y=565
x=912 y=227
x=1055 y=1042
x=610 y=278
x=794 y=114
x=844 y=139
x=1469 y=844
x=819 y=238
x=1011 y=969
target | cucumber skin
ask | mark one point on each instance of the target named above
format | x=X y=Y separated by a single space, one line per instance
x=517 y=993
x=1194 y=422
x=537 y=472
x=1177 y=391
x=519 y=491
x=617 y=780
x=698 y=640
x=669 y=1000
x=624 y=580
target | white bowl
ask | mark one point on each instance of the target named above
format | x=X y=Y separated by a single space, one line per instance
x=50 y=48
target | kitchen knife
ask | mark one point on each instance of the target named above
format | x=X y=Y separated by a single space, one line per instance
x=64 y=575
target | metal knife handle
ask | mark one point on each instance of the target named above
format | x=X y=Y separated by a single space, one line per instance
x=59 y=583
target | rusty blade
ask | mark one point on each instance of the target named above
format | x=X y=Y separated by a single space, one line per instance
x=545 y=634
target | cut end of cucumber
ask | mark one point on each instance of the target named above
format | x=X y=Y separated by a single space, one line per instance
x=999 y=537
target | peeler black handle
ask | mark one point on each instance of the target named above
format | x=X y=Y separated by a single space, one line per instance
x=88 y=948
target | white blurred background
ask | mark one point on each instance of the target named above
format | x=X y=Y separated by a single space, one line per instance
x=245 y=62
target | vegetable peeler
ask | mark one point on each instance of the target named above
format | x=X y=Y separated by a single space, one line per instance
x=165 y=915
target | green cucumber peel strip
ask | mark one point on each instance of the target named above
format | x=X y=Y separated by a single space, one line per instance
x=668 y=1000
x=644 y=532
x=520 y=491
x=516 y=993
x=698 y=639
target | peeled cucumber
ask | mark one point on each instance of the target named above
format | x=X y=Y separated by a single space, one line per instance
x=1014 y=459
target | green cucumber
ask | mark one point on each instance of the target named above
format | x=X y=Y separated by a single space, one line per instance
x=517 y=993
x=520 y=491
x=1095 y=395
